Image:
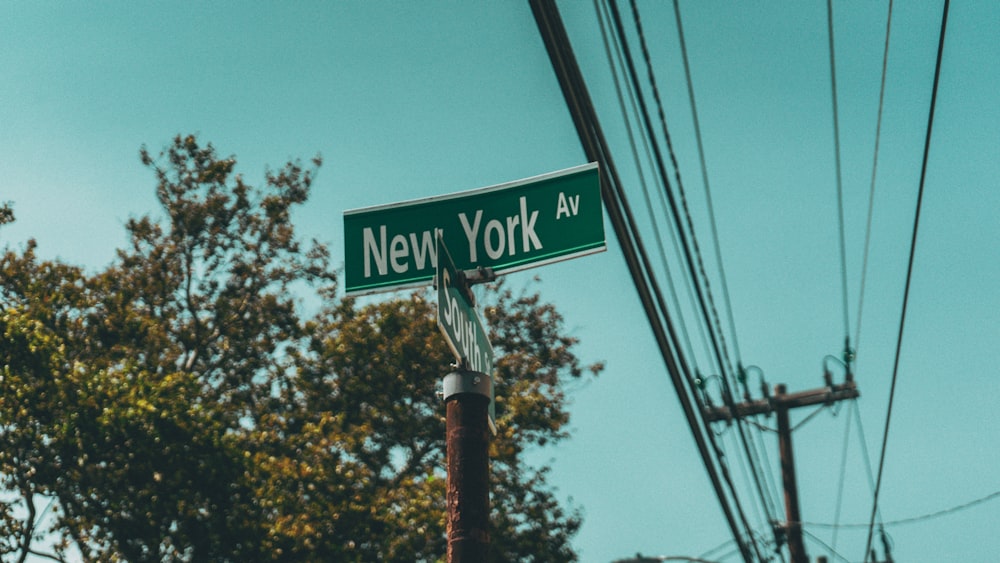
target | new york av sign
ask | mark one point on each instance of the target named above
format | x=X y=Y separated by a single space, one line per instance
x=507 y=227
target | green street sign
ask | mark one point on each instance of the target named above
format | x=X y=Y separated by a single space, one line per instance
x=457 y=316
x=460 y=324
x=508 y=227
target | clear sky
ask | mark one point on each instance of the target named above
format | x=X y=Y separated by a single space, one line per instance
x=408 y=99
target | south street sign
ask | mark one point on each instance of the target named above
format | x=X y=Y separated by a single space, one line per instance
x=457 y=316
x=508 y=227
x=461 y=326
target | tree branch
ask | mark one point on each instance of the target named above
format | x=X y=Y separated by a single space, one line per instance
x=46 y=555
x=29 y=526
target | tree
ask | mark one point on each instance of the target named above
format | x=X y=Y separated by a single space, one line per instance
x=40 y=327
x=183 y=405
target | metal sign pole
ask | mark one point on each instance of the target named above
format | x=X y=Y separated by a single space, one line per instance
x=467 y=397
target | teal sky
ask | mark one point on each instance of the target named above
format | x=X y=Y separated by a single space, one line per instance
x=407 y=100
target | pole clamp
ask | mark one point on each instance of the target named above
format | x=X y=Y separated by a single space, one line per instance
x=465 y=381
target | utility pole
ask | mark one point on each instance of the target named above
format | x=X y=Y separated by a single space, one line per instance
x=780 y=403
x=793 y=526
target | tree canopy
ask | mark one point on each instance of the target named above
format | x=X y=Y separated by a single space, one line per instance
x=185 y=404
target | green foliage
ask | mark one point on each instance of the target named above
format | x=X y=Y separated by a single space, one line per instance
x=181 y=406
x=40 y=307
x=6 y=213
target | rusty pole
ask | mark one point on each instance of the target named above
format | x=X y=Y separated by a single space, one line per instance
x=467 y=398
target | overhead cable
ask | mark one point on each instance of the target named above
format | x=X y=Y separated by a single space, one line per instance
x=718 y=339
x=840 y=186
x=750 y=447
x=840 y=481
x=864 y=451
x=766 y=517
x=581 y=109
x=871 y=191
x=768 y=500
x=678 y=313
x=916 y=519
x=704 y=176
x=909 y=273
x=864 y=276
x=753 y=456
x=829 y=548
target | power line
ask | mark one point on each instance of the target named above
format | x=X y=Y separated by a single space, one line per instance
x=909 y=272
x=639 y=558
x=914 y=519
x=871 y=191
x=719 y=547
x=704 y=176
x=690 y=250
x=798 y=425
x=672 y=227
x=726 y=554
x=715 y=331
x=772 y=488
x=753 y=455
x=840 y=187
x=639 y=169
x=840 y=481
x=722 y=465
x=766 y=498
x=581 y=109
x=833 y=551
x=767 y=517
x=602 y=16
x=864 y=451
x=843 y=464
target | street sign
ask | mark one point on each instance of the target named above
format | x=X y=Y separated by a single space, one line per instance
x=457 y=316
x=460 y=324
x=508 y=227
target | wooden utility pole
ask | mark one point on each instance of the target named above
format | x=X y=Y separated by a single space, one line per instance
x=780 y=404
x=793 y=524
